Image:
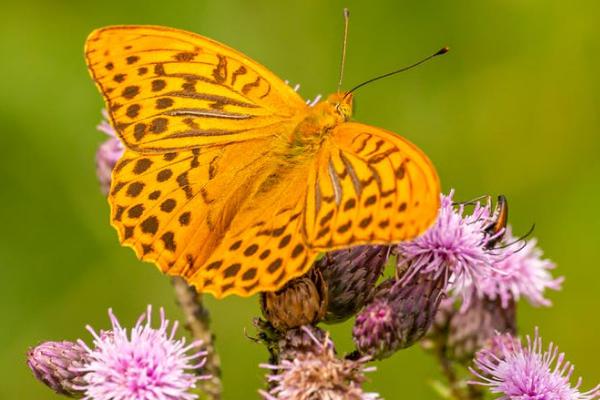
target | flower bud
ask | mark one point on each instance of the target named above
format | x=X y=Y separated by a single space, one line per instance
x=58 y=364
x=376 y=329
x=351 y=275
x=400 y=314
x=471 y=329
x=302 y=301
x=306 y=339
x=499 y=344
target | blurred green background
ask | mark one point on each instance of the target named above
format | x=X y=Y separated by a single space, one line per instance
x=512 y=109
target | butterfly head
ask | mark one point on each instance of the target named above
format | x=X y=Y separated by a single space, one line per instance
x=341 y=105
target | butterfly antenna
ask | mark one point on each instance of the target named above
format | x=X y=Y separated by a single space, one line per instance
x=345 y=45
x=473 y=201
x=441 y=51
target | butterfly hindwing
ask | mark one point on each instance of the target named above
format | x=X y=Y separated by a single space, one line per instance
x=369 y=186
x=168 y=89
x=264 y=248
x=170 y=207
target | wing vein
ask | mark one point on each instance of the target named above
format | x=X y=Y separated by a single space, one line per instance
x=337 y=186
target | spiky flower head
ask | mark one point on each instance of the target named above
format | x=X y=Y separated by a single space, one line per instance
x=57 y=365
x=477 y=263
x=454 y=247
x=351 y=275
x=528 y=372
x=144 y=363
x=400 y=314
x=520 y=272
x=108 y=154
x=318 y=375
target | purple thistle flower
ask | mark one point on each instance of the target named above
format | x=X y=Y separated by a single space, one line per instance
x=57 y=365
x=108 y=154
x=528 y=372
x=144 y=364
x=318 y=375
x=521 y=272
x=459 y=247
x=454 y=247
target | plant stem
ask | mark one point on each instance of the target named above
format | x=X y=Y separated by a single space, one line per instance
x=198 y=323
x=456 y=386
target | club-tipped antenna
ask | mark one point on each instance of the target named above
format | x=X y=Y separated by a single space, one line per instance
x=441 y=51
x=344 y=47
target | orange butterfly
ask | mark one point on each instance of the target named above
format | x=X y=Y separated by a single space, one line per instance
x=230 y=179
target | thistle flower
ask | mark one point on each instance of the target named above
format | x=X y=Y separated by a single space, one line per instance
x=528 y=372
x=318 y=375
x=459 y=247
x=301 y=301
x=108 y=154
x=521 y=272
x=351 y=275
x=57 y=365
x=400 y=314
x=454 y=247
x=145 y=363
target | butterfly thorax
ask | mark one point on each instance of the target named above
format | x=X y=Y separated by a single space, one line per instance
x=315 y=128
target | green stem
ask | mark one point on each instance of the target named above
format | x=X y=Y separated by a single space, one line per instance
x=456 y=385
x=198 y=323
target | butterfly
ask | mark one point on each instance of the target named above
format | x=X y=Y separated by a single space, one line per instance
x=230 y=179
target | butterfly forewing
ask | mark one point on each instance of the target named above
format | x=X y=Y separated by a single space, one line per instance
x=168 y=89
x=369 y=186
